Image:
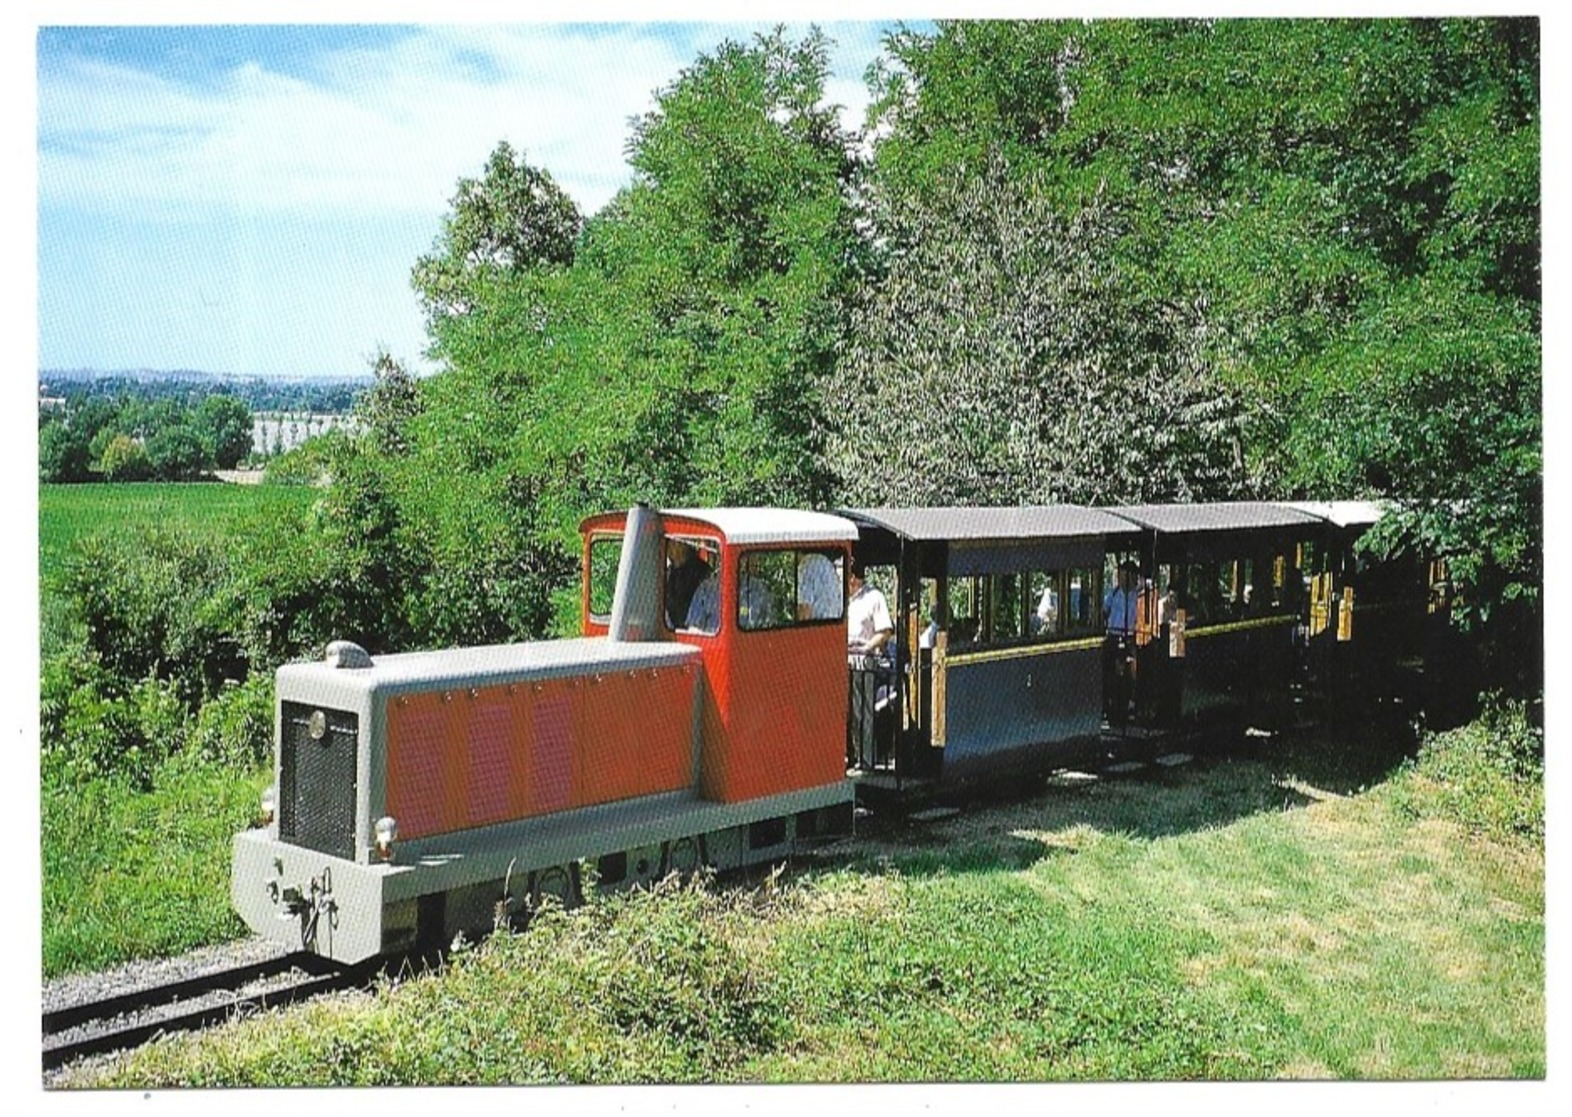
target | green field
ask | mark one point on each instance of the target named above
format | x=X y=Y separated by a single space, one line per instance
x=68 y=513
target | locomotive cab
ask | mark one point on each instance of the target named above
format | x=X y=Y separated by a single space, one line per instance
x=760 y=594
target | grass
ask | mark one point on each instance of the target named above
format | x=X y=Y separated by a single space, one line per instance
x=70 y=513
x=67 y=513
x=1296 y=914
x=131 y=874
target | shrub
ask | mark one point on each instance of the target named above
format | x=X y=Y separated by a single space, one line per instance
x=150 y=606
x=125 y=459
x=236 y=728
x=1487 y=775
x=92 y=728
x=310 y=463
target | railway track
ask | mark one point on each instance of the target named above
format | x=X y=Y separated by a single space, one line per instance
x=129 y=1020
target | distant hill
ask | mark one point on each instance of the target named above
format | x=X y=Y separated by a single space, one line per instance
x=58 y=387
x=193 y=376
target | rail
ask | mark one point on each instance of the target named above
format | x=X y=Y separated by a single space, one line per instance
x=129 y=1020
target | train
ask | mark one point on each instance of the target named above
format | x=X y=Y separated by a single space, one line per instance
x=712 y=714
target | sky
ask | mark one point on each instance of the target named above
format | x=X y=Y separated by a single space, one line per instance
x=250 y=199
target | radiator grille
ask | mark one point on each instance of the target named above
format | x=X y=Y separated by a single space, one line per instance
x=316 y=789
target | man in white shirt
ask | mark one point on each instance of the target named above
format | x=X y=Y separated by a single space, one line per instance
x=868 y=632
x=868 y=624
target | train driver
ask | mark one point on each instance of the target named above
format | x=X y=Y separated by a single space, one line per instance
x=685 y=571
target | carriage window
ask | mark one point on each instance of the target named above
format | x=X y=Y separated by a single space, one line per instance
x=932 y=614
x=1212 y=589
x=1083 y=603
x=1043 y=595
x=692 y=590
x=1003 y=608
x=1247 y=595
x=966 y=600
x=604 y=558
x=1006 y=606
x=1288 y=583
x=778 y=589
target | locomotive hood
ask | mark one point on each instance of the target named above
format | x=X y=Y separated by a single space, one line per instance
x=466 y=668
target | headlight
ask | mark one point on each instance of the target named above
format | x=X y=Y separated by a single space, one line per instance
x=386 y=831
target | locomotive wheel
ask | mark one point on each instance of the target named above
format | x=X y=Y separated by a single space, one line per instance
x=684 y=856
x=560 y=881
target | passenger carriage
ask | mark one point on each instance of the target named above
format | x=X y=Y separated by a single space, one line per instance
x=996 y=688
x=1017 y=672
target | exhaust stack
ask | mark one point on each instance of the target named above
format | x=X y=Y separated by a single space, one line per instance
x=635 y=610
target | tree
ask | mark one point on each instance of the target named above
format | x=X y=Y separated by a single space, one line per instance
x=513 y=219
x=125 y=459
x=224 y=423
x=387 y=407
x=1004 y=357
x=730 y=257
x=177 y=453
x=62 y=454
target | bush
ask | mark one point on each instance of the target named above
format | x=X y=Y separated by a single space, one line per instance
x=1488 y=775
x=95 y=728
x=310 y=463
x=125 y=459
x=235 y=729
x=151 y=607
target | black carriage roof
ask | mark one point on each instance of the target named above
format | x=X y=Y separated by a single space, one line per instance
x=1176 y=519
x=1057 y=521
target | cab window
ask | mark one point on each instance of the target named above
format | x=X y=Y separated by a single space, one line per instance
x=782 y=589
x=691 y=593
x=605 y=555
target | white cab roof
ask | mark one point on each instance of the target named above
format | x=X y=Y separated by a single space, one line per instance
x=771 y=525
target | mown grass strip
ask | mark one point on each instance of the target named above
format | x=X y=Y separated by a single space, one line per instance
x=1226 y=928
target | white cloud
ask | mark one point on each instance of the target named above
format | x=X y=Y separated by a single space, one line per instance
x=389 y=130
x=265 y=219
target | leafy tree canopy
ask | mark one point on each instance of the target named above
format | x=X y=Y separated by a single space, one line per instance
x=512 y=219
x=1006 y=358
x=1348 y=209
x=224 y=424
